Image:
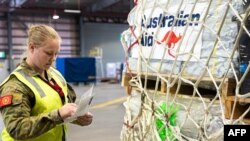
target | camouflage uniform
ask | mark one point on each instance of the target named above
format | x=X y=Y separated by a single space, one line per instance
x=17 y=119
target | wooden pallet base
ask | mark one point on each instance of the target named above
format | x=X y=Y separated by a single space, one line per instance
x=185 y=89
x=242 y=105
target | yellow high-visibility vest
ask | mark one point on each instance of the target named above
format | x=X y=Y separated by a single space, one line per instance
x=47 y=100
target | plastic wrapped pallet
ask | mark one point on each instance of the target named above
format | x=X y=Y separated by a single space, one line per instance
x=151 y=21
x=189 y=129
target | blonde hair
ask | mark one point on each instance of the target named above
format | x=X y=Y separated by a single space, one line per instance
x=39 y=34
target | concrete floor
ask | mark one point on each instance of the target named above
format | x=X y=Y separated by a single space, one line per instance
x=108 y=114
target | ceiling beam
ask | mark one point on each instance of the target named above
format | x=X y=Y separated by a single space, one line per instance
x=17 y=3
x=101 y=4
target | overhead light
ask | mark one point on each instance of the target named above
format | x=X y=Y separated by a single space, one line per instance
x=55 y=15
x=71 y=11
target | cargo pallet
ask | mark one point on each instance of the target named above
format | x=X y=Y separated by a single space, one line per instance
x=227 y=91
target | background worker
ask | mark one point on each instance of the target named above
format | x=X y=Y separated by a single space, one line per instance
x=35 y=99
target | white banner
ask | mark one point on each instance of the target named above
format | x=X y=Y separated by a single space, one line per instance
x=172 y=29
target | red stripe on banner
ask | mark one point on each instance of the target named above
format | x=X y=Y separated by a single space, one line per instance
x=135 y=2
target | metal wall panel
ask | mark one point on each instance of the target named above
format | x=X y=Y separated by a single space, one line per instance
x=67 y=28
x=107 y=37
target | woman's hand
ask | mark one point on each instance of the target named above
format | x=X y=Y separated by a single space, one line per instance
x=67 y=110
x=85 y=119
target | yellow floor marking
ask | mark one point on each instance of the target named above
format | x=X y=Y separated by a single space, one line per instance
x=108 y=103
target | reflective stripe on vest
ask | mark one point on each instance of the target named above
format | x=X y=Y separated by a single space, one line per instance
x=47 y=100
x=33 y=82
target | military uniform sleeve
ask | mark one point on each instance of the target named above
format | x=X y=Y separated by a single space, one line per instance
x=71 y=94
x=17 y=118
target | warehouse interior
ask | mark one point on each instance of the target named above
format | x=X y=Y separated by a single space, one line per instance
x=17 y=15
x=90 y=32
x=160 y=70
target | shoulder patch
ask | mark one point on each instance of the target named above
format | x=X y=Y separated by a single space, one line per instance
x=5 y=100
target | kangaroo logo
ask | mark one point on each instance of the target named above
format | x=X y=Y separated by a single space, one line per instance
x=170 y=39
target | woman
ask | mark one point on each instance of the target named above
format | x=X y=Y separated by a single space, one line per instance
x=35 y=98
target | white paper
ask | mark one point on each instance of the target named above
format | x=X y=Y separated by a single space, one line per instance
x=82 y=104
